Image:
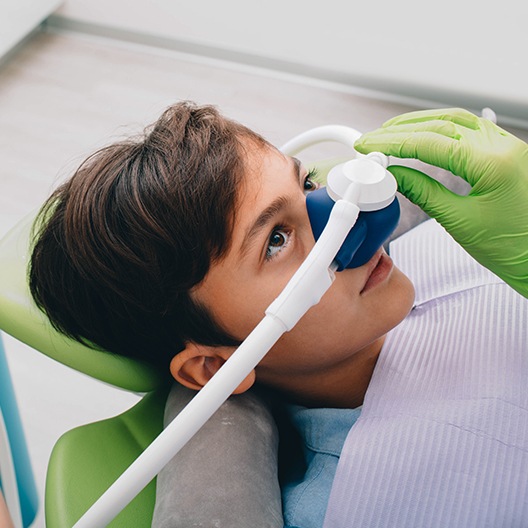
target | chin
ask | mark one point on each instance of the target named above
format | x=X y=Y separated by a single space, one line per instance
x=404 y=294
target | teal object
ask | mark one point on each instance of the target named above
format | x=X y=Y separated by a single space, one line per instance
x=27 y=490
x=491 y=222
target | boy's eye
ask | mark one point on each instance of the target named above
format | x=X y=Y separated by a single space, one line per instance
x=309 y=183
x=277 y=242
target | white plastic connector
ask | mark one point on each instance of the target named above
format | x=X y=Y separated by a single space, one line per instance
x=488 y=113
x=314 y=276
x=379 y=158
x=377 y=186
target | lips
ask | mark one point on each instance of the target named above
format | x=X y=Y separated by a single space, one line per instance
x=378 y=270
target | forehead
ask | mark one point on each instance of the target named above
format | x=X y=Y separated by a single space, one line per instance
x=265 y=172
x=267 y=175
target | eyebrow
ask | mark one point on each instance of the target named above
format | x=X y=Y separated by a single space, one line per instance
x=267 y=215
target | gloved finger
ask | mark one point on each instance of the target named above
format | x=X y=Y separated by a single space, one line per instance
x=443 y=128
x=434 y=148
x=426 y=192
x=456 y=115
x=493 y=128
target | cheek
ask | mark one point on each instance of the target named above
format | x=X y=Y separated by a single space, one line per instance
x=326 y=333
x=240 y=304
x=330 y=321
x=341 y=325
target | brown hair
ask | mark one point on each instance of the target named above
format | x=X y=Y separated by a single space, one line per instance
x=135 y=228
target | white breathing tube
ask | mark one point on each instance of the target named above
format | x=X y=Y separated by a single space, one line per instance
x=303 y=291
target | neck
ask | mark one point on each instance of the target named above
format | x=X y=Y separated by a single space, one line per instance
x=344 y=385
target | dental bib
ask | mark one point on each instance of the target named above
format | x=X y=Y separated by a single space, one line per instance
x=442 y=440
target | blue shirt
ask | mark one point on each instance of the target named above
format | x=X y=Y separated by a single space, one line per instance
x=323 y=433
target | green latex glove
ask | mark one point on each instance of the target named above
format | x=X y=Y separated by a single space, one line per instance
x=491 y=222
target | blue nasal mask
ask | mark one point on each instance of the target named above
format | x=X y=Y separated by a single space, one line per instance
x=351 y=218
x=376 y=221
x=363 y=181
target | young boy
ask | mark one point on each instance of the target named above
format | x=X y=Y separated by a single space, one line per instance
x=170 y=247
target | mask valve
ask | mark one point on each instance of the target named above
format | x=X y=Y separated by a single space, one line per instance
x=367 y=183
x=364 y=181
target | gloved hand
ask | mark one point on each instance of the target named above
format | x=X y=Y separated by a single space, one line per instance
x=491 y=222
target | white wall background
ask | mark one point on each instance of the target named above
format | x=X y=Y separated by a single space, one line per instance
x=452 y=52
x=19 y=17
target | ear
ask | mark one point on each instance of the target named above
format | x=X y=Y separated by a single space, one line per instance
x=194 y=366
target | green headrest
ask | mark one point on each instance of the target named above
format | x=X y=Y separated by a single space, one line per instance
x=20 y=318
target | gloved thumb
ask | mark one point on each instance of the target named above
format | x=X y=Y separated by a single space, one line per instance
x=426 y=192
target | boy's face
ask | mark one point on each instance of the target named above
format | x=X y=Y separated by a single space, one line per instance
x=271 y=238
